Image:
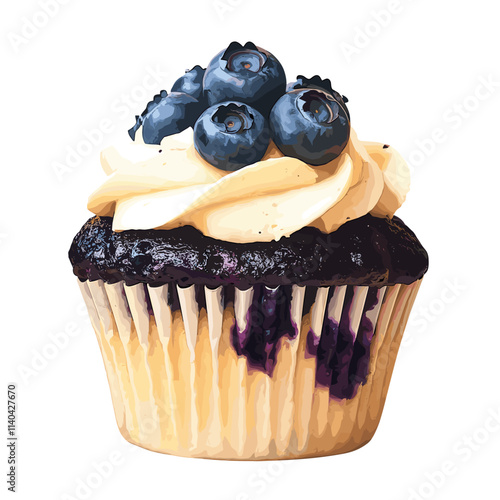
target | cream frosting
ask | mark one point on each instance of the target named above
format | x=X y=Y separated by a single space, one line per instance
x=170 y=185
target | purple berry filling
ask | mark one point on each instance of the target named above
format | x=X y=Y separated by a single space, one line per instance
x=267 y=321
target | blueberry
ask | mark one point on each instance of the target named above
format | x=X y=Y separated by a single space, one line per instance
x=231 y=135
x=318 y=83
x=165 y=115
x=245 y=74
x=311 y=125
x=150 y=106
x=191 y=83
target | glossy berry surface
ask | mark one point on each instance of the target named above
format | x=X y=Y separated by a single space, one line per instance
x=149 y=107
x=245 y=74
x=191 y=83
x=311 y=125
x=231 y=135
x=165 y=115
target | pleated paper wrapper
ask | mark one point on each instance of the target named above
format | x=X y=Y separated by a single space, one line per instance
x=180 y=385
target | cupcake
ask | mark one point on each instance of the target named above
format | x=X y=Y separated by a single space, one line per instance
x=244 y=272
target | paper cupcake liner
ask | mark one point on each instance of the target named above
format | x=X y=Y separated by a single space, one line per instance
x=255 y=374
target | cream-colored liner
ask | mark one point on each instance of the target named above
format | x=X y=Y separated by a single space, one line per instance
x=189 y=310
x=163 y=319
x=147 y=407
x=102 y=333
x=215 y=317
x=220 y=407
x=372 y=315
x=285 y=378
x=242 y=301
x=309 y=380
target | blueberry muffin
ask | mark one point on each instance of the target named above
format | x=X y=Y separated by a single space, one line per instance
x=244 y=272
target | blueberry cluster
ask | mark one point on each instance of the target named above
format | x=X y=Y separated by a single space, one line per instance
x=241 y=102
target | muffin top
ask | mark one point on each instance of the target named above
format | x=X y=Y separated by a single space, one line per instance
x=369 y=251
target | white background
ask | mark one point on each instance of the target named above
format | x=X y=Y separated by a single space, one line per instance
x=417 y=70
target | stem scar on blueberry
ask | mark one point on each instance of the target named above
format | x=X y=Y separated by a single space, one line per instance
x=316 y=82
x=318 y=103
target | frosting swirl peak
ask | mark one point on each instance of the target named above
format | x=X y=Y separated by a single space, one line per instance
x=170 y=185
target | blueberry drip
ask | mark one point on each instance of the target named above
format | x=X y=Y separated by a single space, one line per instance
x=344 y=346
x=323 y=348
x=358 y=368
x=342 y=356
x=312 y=344
x=173 y=297
x=267 y=321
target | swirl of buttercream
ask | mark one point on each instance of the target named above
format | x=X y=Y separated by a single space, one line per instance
x=170 y=185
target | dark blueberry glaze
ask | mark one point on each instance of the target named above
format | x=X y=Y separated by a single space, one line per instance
x=268 y=320
x=343 y=357
x=343 y=350
x=325 y=351
x=368 y=251
x=358 y=367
